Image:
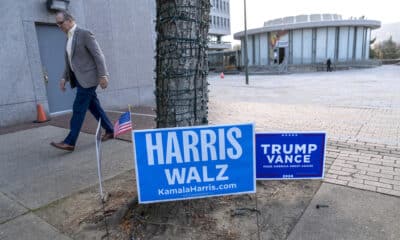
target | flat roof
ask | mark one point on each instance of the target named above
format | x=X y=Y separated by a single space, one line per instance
x=373 y=24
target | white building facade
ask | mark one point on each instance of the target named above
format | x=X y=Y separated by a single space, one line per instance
x=220 y=24
x=309 y=39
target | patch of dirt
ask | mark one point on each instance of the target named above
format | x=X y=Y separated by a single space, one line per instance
x=84 y=216
x=270 y=214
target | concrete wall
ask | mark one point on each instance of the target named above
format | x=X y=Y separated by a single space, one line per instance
x=125 y=32
x=330 y=43
x=343 y=43
x=351 y=44
x=250 y=51
x=264 y=46
x=20 y=79
x=359 y=43
x=368 y=39
x=307 y=46
x=321 y=45
x=297 y=46
x=257 y=50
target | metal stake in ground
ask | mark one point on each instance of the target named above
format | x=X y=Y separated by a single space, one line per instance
x=98 y=154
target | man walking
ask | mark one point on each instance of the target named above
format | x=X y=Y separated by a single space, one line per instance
x=328 y=65
x=85 y=69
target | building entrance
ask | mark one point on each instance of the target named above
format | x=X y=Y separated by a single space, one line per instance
x=281 y=55
x=52 y=49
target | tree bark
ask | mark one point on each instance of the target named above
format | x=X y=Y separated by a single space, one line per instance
x=181 y=62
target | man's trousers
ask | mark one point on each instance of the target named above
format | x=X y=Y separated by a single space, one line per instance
x=86 y=98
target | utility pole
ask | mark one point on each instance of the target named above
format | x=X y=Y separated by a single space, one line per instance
x=246 y=58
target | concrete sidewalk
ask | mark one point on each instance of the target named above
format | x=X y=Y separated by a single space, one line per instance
x=40 y=174
x=33 y=174
x=349 y=213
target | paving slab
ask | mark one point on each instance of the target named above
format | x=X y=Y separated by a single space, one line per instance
x=35 y=173
x=349 y=105
x=29 y=227
x=357 y=88
x=351 y=214
x=9 y=209
x=365 y=166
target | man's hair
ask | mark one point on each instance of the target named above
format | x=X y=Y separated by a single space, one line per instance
x=66 y=15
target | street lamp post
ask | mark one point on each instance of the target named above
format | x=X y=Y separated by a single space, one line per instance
x=246 y=58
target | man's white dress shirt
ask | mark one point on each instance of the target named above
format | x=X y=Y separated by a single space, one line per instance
x=69 y=44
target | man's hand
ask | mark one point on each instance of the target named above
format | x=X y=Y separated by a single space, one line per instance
x=62 y=85
x=103 y=82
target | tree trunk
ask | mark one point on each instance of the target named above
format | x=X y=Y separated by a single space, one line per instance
x=182 y=65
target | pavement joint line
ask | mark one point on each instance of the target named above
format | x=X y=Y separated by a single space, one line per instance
x=12 y=198
x=21 y=215
x=359 y=130
x=349 y=186
x=332 y=163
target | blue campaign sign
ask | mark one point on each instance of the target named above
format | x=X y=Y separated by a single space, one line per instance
x=194 y=162
x=290 y=155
